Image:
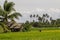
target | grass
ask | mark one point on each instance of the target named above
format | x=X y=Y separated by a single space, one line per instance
x=32 y=35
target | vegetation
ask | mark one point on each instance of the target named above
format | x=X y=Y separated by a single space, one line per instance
x=46 y=28
x=45 y=21
x=32 y=35
x=6 y=14
x=27 y=26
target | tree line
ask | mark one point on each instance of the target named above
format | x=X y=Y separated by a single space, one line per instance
x=45 y=21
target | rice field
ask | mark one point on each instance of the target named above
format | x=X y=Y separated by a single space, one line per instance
x=32 y=35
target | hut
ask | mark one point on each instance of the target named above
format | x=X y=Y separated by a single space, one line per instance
x=15 y=27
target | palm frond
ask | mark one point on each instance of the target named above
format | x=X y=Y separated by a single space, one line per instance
x=1 y=11
x=4 y=26
x=14 y=15
x=9 y=6
x=5 y=3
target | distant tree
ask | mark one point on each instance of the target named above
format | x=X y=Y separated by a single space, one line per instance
x=47 y=22
x=33 y=20
x=36 y=24
x=31 y=16
x=51 y=19
x=45 y=16
x=58 y=21
x=37 y=15
x=40 y=19
x=34 y=15
x=53 y=22
x=27 y=22
x=27 y=26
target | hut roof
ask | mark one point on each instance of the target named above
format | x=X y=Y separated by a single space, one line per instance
x=15 y=25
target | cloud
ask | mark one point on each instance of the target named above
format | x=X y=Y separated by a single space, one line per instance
x=27 y=7
x=40 y=10
x=54 y=10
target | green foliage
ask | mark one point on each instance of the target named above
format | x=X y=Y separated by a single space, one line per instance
x=33 y=35
x=4 y=26
x=6 y=13
x=27 y=26
x=8 y=6
x=35 y=24
x=14 y=15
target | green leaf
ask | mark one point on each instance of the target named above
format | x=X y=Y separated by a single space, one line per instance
x=9 y=6
x=14 y=15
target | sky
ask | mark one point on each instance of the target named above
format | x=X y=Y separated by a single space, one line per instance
x=27 y=7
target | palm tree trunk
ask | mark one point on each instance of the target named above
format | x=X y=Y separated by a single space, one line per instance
x=6 y=18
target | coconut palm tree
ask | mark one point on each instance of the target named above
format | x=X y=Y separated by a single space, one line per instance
x=8 y=12
x=43 y=18
x=31 y=16
x=40 y=19
x=47 y=15
x=34 y=15
x=2 y=24
x=51 y=19
x=8 y=8
x=37 y=15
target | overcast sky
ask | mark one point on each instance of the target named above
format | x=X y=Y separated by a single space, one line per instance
x=27 y=7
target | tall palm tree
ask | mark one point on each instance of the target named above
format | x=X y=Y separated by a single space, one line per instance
x=51 y=19
x=37 y=15
x=40 y=19
x=6 y=12
x=31 y=16
x=8 y=8
x=34 y=15
x=47 y=15
x=2 y=24
x=43 y=18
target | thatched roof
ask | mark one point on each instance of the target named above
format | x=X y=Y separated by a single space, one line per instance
x=14 y=25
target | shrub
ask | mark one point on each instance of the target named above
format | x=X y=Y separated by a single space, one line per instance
x=36 y=24
x=26 y=27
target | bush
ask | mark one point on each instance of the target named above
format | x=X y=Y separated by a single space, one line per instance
x=36 y=24
x=26 y=27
